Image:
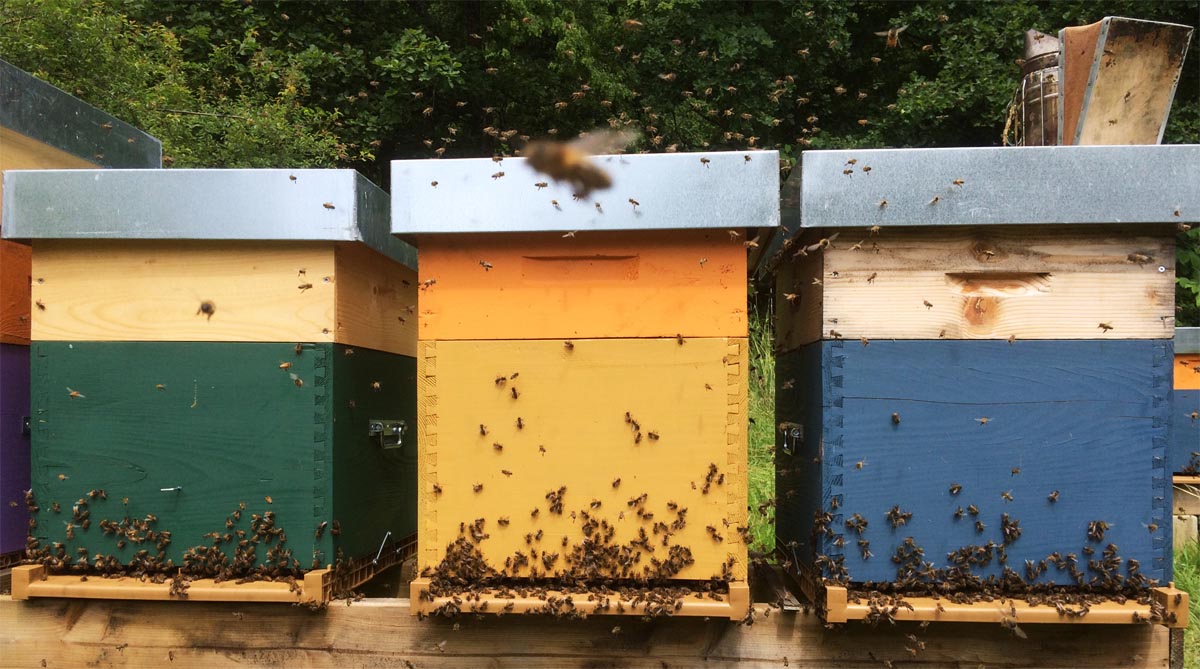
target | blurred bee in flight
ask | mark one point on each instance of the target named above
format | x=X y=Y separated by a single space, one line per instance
x=568 y=161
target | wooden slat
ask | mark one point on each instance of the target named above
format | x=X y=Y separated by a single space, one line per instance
x=14 y=293
x=380 y=632
x=101 y=290
x=1078 y=50
x=573 y=402
x=18 y=152
x=1186 y=499
x=1057 y=282
x=376 y=301
x=594 y=285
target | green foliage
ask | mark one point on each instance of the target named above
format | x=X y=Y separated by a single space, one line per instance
x=762 y=432
x=258 y=83
x=1187 y=578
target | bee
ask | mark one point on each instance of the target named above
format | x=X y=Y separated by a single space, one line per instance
x=501 y=380
x=483 y=430
x=1152 y=527
x=515 y=393
x=40 y=305
x=568 y=161
x=506 y=472
x=955 y=488
x=1016 y=470
x=534 y=513
x=485 y=265
x=835 y=334
x=791 y=297
x=973 y=510
x=75 y=394
x=892 y=36
x=984 y=420
x=321 y=528
x=1007 y=495
x=437 y=489
x=569 y=345
x=958 y=513
x=705 y=161
x=297 y=380
x=871 y=279
x=478 y=487
x=498 y=175
x=427 y=283
x=936 y=199
x=159 y=386
x=1053 y=496
x=1105 y=327
x=269 y=500
x=520 y=423
x=679 y=339
x=328 y=205
x=979 y=526
x=433 y=183
x=895 y=418
x=206 y=307
x=599 y=208
x=653 y=435
x=497 y=446
x=928 y=304
x=616 y=482
x=634 y=202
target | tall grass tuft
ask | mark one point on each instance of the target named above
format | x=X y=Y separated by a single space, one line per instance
x=1187 y=577
x=762 y=430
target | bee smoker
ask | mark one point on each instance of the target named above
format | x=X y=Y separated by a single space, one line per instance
x=1039 y=94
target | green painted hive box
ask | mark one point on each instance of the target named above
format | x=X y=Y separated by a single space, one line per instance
x=222 y=369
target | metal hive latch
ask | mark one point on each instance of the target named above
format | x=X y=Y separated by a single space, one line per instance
x=389 y=433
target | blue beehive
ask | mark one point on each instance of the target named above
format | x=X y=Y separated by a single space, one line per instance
x=974 y=363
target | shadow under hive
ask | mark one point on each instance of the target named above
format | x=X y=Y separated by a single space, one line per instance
x=231 y=399
x=41 y=127
x=583 y=381
x=974 y=373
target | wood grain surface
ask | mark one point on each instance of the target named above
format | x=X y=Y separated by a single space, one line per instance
x=14 y=292
x=381 y=633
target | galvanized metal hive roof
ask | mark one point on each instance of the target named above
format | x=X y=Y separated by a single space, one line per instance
x=283 y=205
x=36 y=109
x=1187 y=341
x=672 y=191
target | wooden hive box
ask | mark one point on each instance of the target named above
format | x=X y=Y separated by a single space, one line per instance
x=41 y=127
x=213 y=347
x=583 y=377
x=1185 y=410
x=986 y=330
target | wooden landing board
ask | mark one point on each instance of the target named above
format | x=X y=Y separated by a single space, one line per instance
x=14 y=293
x=594 y=285
x=572 y=403
x=104 y=290
x=980 y=283
x=382 y=633
x=31 y=581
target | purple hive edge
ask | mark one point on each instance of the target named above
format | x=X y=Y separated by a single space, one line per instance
x=14 y=446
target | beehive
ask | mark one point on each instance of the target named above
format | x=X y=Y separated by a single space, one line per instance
x=219 y=352
x=582 y=365
x=1185 y=411
x=41 y=127
x=974 y=364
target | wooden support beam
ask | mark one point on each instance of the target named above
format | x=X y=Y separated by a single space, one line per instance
x=381 y=632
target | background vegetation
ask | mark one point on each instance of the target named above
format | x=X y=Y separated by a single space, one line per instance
x=249 y=83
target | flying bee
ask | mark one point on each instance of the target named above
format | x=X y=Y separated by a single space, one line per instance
x=892 y=35
x=478 y=487
x=568 y=161
x=1105 y=327
x=1053 y=497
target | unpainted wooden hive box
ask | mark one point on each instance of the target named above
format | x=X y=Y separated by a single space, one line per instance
x=211 y=347
x=41 y=127
x=974 y=353
x=583 y=362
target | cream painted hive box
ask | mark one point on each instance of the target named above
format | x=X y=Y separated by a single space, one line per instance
x=583 y=382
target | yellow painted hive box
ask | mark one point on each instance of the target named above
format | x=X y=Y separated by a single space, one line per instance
x=583 y=383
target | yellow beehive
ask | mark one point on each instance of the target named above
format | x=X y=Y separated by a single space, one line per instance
x=583 y=380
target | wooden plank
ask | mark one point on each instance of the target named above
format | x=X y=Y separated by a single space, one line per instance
x=1184 y=531
x=1078 y=50
x=380 y=632
x=572 y=404
x=19 y=152
x=1055 y=282
x=14 y=446
x=376 y=301
x=1186 y=499
x=102 y=290
x=1134 y=84
x=593 y=285
x=14 y=293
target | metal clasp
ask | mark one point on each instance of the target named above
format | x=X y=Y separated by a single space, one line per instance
x=793 y=437
x=390 y=433
x=25 y=427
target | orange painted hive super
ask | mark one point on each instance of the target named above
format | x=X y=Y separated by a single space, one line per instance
x=583 y=383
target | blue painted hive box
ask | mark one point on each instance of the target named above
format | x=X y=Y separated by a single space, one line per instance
x=973 y=371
